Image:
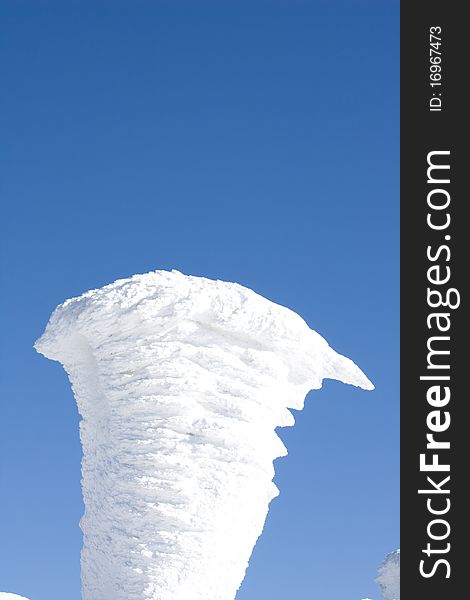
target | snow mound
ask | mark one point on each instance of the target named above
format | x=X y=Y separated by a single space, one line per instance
x=7 y=596
x=389 y=576
x=181 y=382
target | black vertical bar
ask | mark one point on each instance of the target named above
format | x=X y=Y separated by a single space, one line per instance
x=434 y=247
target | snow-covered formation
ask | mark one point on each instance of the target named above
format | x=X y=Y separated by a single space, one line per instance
x=7 y=596
x=389 y=576
x=181 y=382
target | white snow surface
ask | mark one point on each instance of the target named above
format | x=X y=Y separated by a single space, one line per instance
x=180 y=382
x=8 y=596
x=389 y=576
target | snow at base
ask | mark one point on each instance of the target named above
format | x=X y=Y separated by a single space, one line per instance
x=181 y=382
x=7 y=596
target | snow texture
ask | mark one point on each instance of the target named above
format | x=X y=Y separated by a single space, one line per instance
x=181 y=382
x=7 y=596
x=389 y=576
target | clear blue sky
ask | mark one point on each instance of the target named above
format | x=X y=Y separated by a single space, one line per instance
x=252 y=141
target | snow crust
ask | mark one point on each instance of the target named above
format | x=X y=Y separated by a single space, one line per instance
x=180 y=382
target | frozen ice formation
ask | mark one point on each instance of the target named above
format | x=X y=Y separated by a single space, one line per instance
x=181 y=382
x=389 y=576
x=7 y=596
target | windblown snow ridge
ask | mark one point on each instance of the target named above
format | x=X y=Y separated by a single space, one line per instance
x=181 y=382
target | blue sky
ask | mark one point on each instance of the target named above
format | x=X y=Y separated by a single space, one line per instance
x=252 y=141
